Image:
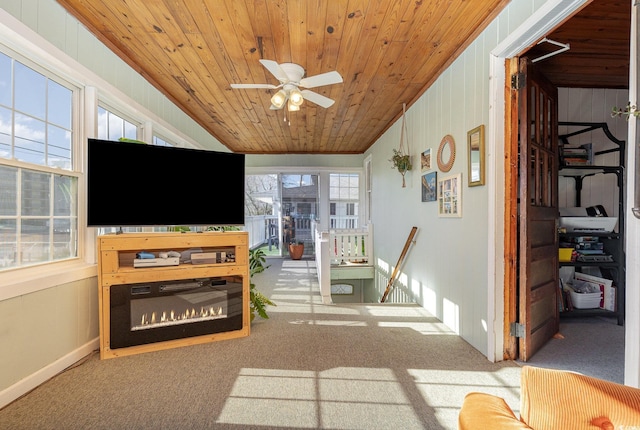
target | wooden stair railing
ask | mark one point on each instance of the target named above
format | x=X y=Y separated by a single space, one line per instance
x=400 y=260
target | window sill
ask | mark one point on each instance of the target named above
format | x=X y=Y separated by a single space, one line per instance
x=19 y=282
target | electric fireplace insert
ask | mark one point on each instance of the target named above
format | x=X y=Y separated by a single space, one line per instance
x=144 y=313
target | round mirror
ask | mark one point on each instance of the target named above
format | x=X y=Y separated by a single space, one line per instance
x=446 y=153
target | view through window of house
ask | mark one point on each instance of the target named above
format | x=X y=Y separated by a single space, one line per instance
x=38 y=204
x=299 y=212
x=261 y=217
x=344 y=192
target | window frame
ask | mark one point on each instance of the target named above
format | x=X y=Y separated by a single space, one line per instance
x=75 y=170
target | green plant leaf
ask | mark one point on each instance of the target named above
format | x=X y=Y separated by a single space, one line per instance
x=258 y=302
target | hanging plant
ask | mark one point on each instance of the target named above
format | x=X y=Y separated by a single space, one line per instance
x=627 y=112
x=400 y=159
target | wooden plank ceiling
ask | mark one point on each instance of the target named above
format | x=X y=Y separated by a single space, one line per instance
x=598 y=55
x=388 y=53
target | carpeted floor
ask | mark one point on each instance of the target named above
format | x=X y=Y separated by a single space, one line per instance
x=310 y=365
x=592 y=346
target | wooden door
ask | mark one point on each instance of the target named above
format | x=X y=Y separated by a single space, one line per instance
x=538 y=213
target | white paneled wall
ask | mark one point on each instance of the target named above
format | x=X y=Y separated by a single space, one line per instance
x=446 y=270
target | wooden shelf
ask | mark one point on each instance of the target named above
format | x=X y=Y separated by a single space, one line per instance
x=115 y=267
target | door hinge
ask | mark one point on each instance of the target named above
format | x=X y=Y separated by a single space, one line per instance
x=517 y=81
x=516 y=330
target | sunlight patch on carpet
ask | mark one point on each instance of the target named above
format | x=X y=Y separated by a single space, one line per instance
x=306 y=399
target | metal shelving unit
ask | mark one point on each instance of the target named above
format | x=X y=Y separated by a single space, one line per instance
x=614 y=241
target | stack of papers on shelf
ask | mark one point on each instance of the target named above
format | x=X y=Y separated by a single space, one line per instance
x=577 y=155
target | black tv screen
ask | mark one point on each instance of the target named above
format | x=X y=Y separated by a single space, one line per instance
x=133 y=184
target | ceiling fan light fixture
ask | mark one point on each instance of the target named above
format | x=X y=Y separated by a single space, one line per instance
x=292 y=106
x=278 y=99
x=295 y=97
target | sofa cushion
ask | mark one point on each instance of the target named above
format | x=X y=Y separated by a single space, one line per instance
x=484 y=411
x=556 y=399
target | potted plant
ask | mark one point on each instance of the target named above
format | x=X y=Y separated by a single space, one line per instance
x=402 y=162
x=258 y=302
x=296 y=249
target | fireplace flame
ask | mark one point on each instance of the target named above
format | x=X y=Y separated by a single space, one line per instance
x=174 y=317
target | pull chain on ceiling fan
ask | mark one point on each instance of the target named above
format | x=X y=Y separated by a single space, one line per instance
x=291 y=79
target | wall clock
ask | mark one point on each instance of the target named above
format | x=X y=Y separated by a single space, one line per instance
x=446 y=153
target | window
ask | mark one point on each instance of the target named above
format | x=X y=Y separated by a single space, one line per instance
x=261 y=191
x=38 y=203
x=159 y=141
x=344 y=192
x=112 y=126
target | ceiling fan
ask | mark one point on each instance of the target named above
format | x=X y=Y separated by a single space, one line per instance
x=291 y=79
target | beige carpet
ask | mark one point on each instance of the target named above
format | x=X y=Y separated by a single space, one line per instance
x=370 y=366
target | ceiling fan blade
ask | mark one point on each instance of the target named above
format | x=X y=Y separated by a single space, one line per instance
x=275 y=70
x=249 y=86
x=272 y=107
x=322 y=79
x=318 y=99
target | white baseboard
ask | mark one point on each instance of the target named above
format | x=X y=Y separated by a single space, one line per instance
x=32 y=381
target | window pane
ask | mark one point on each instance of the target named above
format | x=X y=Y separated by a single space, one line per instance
x=8 y=243
x=5 y=133
x=29 y=143
x=161 y=142
x=59 y=148
x=64 y=196
x=115 y=126
x=34 y=247
x=5 y=80
x=35 y=193
x=8 y=191
x=59 y=105
x=63 y=239
x=30 y=88
x=130 y=130
x=103 y=125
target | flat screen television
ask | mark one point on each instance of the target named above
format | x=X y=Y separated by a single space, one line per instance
x=133 y=184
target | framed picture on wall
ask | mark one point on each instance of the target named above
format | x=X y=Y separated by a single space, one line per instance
x=429 y=184
x=450 y=196
x=425 y=160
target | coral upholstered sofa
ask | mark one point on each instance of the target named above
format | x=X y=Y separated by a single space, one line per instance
x=556 y=400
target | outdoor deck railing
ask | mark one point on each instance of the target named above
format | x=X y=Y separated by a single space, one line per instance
x=350 y=245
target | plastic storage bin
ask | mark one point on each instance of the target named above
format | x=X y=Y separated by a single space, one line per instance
x=564 y=254
x=585 y=300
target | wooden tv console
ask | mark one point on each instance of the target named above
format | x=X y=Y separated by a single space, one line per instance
x=116 y=254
